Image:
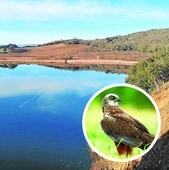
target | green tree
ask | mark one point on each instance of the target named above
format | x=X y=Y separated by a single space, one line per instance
x=150 y=73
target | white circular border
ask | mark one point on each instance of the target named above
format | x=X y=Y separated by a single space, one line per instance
x=122 y=85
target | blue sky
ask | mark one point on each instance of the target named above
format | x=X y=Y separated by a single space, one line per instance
x=41 y=21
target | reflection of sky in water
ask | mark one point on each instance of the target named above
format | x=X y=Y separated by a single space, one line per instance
x=40 y=114
x=31 y=79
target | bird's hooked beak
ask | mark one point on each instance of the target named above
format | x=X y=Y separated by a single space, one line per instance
x=118 y=100
x=114 y=102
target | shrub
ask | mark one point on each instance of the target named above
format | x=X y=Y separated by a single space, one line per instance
x=150 y=73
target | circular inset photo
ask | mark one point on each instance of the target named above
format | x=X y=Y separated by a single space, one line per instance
x=121 y=122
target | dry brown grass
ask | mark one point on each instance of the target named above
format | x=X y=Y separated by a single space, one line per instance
x=60 y=51
x=55 y=55
x=161 y=96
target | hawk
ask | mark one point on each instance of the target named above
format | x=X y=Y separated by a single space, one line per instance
x=126 y=131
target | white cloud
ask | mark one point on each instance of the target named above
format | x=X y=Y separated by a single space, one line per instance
x=11 y=85
x=50 y=9
x=42 y=10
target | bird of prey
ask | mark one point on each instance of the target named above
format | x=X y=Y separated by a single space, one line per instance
x=126 y=131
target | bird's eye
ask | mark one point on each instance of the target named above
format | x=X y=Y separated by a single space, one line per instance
x=112 y=97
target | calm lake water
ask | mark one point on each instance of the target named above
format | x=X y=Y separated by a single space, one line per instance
x=40 y=116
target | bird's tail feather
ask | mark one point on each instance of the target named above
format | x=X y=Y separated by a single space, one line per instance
x=123 y=149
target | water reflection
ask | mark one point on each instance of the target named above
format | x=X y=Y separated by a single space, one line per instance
x=40 y=116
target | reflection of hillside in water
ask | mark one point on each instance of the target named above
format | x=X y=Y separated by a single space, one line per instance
x=10 y=66
x=121 y=69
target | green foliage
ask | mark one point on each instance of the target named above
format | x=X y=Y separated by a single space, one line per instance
x=150 y=73
x=5 y=48
x=2 y=50
x=67 y=42
x=146 y=41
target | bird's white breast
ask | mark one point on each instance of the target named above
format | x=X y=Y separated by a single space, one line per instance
x=110 y=117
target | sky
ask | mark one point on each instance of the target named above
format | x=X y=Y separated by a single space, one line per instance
x=42 y=21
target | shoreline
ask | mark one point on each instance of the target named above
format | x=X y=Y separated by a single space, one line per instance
x=63 y=63
x=108 y=66
x=72 y=56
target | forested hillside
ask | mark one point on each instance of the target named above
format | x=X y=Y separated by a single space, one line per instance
x=146 y=41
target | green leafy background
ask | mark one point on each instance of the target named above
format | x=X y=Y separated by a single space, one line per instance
x=133 y=102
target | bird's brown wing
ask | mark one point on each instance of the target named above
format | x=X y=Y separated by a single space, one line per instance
x=122 y=127
x=124 y=116
x=136 y=127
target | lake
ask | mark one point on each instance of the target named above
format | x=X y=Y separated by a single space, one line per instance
x=41 y=116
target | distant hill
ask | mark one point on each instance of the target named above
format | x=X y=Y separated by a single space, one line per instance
x=145 y=41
